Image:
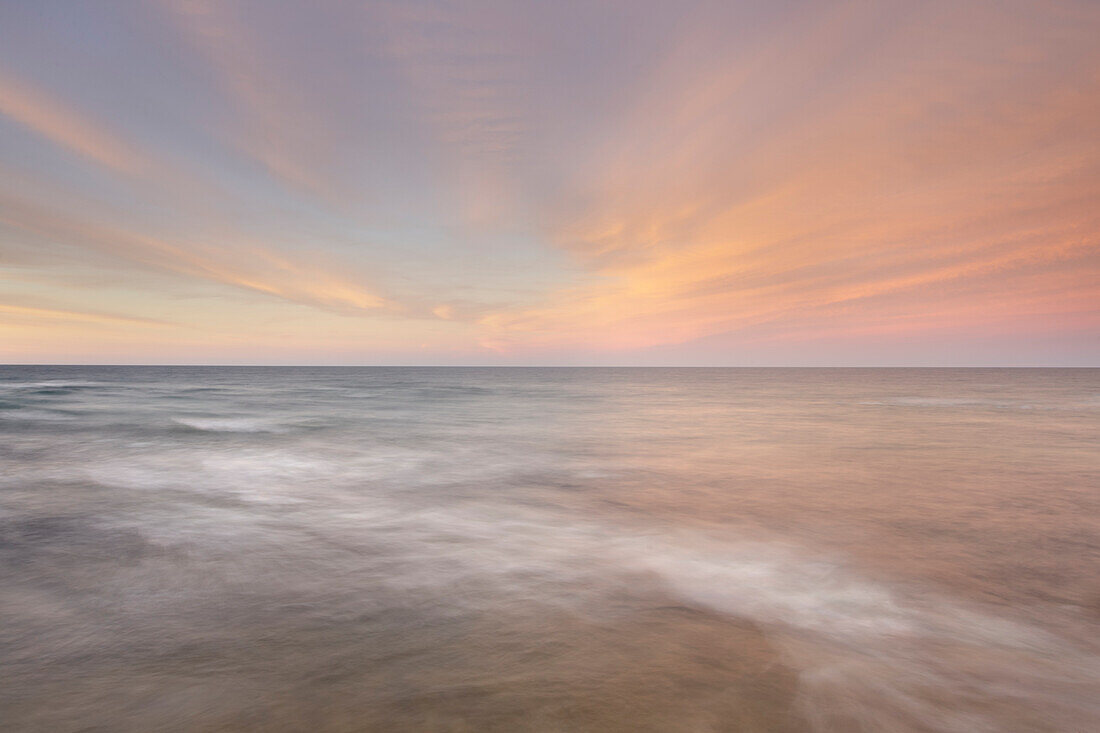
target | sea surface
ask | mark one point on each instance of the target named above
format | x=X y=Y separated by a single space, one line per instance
x=468 y=549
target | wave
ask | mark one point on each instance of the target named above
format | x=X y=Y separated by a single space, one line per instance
x=27 y=414
x=874 y=658
x=871 y=655
x=234 y=424
x=68 y=384
x=945 y=402
x=975 y=402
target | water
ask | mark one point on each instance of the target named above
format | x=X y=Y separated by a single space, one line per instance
x=290 y=549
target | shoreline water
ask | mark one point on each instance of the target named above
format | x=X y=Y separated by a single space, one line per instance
x=235 y=549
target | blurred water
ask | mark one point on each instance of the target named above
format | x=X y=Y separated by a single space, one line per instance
x=214 y=548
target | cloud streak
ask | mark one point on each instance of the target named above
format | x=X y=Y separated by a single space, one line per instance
x=226 y=261
x=52 y=119
x=15 y=312
x=872 y=187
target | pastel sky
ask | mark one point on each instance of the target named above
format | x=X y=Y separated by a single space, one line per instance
x=550 y=182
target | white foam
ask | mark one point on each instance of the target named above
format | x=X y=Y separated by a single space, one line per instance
x=233 y=424
x=30 y=414
x=52 y=384
x=870 y=651
x=891 y=659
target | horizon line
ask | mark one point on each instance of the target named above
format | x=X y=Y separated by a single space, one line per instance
x=563 y=366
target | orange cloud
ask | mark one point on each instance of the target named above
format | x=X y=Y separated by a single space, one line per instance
x=277 y=132
x=229 y=261
x=24 y=312
x=792 y=185
x=57 y=122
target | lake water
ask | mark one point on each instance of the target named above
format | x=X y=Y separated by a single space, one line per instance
x=421 y=549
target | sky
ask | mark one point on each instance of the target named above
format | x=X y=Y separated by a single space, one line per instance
x=757 y=183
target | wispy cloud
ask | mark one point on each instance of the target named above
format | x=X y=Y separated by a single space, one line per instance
x=464 y=73
x=56 y=121
x=773 y=185
x=276 y=128
x=228 y=260
x=592 y=179
x=13 y=312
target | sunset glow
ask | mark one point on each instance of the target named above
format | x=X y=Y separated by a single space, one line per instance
x=753 y=183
